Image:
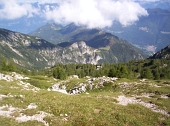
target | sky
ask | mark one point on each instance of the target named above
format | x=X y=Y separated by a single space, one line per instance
x=54 y=1
x=90 y=13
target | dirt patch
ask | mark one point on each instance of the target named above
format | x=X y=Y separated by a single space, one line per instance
x=123 y=100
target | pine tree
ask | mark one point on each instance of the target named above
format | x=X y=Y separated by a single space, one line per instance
x=156 y=74
x=146 y=73
x=11 y=67
x=59 y=73
x=4 y=65
x=124 y=71
x=112 y=72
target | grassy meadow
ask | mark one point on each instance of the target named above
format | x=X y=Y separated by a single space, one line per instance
x=98 y=107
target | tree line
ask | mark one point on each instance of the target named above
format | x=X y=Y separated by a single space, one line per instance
x=150 y=69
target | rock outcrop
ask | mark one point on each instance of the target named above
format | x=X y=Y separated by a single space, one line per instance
x=82 y=87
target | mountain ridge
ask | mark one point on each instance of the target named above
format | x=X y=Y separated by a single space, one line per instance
x=33 y=52
x=94 y=37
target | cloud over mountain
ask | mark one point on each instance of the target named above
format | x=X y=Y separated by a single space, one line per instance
x=91 y=13
x=95 y=13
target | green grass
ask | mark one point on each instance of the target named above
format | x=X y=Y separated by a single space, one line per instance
x=81 y=109
x=106 y=48
x=41 y=81
x=30 y=112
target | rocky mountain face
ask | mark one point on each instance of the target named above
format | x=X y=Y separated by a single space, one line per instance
x=163 y=54
x=78 y=52
x=33 y=52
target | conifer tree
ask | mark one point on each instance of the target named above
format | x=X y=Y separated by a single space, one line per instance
x=124 y=71
x=146 y=73
x=59 y=73
x=156 y=74
x=112 y=72
x=11 y=67
x=4 y=65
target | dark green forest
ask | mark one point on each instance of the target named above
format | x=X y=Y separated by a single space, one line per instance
x=150 y=69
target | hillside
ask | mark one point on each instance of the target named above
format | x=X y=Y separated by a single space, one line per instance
x=49 y=30
x=24 y=49
x=163 y=54
x=33 y=52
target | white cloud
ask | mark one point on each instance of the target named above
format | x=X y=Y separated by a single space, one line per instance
x=151 y=48
x=95 y=13
x=91 y=13
x=12 y=10
x=39 y=1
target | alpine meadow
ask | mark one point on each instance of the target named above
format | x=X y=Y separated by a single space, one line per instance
x=85 y=63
